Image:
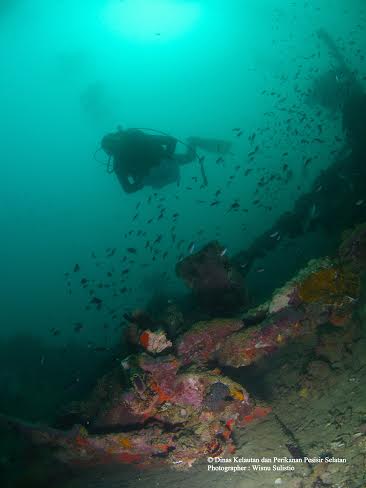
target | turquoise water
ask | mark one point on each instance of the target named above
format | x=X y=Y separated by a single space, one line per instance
x=72 y=72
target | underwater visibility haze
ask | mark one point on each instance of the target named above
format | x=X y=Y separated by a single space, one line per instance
x=169 y=166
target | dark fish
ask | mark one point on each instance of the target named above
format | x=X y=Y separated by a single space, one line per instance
x=78 y=326
x=215 y=202
x=234 y=206
x=239 y=133
x=76 y=268
x=132 y=250
x=96 y=301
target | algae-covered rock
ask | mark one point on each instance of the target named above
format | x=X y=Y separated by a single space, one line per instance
x=200 y=344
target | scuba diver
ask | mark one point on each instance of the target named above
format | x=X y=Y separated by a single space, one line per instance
x=337 y=199
x=141 y=159
x=136 y=155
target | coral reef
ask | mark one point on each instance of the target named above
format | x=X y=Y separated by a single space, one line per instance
x=154 y=342
x=174 y=408
x=216 y=284
x=200 y=344
x=176 y=418
x=249 y=346
x=352 y=251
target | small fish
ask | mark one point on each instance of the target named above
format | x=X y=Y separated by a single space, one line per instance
x=219 y=160
x=313 y=211
x=191 y=247
x=222 y=253
x=234 y=206
x=131 y=250
x=96 y=301
x=78 y=326
x=260 y=270
x=236 y=129
x=215 y=202
x=275 y=234
x=239 y=133
x=359 y=202
x=260 y=345
x=76 y=268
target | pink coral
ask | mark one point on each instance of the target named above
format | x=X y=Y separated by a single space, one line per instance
x=154 y=342
x=201 y=342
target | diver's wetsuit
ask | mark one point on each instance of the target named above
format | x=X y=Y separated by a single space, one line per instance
x=136 y=153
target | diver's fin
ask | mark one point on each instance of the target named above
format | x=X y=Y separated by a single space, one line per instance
x=218 y=146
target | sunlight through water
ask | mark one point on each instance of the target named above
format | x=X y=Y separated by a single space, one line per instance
x=148 y=20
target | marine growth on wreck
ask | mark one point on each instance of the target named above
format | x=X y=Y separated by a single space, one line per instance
x=183 y=244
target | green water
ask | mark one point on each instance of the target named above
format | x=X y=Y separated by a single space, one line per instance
x=70 y=72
